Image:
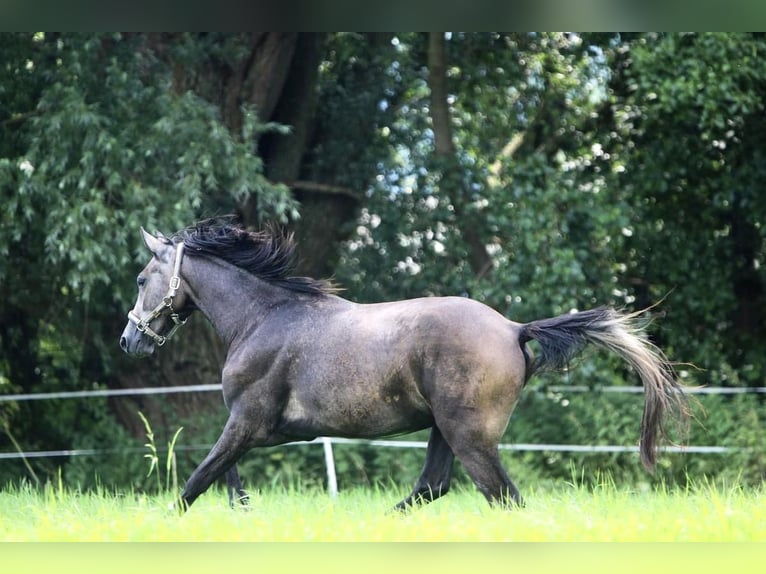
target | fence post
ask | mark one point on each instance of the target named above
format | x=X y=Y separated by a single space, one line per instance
x=329 y=461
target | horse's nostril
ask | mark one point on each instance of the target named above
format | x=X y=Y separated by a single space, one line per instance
x=124 y=344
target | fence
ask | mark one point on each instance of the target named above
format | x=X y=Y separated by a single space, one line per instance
x=327 y=442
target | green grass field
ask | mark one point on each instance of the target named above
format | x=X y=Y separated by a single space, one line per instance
x=567 y=514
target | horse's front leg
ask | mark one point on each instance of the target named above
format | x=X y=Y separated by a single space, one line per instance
x=231 y=445
x=435 y=478
x=234 y=486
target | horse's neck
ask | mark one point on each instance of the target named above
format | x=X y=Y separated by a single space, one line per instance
x=233 y=300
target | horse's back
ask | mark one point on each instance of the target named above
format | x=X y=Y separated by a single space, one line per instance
x=441 y=323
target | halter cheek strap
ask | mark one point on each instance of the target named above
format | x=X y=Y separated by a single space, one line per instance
x=143 y=325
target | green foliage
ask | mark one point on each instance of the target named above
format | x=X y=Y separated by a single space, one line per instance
x=593 y=168
x=598 y=173
x=619 y=172
x=543 y=417
x=545 y=214
x=100 y=144
x=112 y=147
x=688 y=129
x=352 y=77
x=153 y=457
x=120 y=460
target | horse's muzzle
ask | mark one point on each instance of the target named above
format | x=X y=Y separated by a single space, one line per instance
x=135 y=343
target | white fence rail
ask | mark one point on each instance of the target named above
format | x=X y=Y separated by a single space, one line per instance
x=328 y=442
x=217 y=387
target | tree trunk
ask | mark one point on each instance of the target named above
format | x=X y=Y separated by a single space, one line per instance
x=259 y=78
x=327 y=208
x=446 y=156
x=279 y=74
x=323 y=213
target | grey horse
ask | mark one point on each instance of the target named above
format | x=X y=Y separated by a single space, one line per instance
x=303 y=362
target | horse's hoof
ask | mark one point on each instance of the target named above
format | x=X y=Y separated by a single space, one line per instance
x=178 y=506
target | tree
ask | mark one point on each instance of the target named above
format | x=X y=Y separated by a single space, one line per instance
x=99 y=145
x=537 y=172
x=688 y=125
x=509 y=116
x=110 y=132
x=445 y=154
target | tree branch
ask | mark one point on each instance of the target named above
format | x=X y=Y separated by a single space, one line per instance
x=322 y=188
x=444 y=150
x=437 y=83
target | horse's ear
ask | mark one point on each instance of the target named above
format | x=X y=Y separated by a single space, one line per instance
x=153 y=243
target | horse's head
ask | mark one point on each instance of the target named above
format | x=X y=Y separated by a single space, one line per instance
x=162 y=304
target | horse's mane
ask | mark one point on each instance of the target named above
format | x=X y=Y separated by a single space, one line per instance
x=269 y=254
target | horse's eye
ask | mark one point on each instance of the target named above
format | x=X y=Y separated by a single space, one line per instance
x=141 y=280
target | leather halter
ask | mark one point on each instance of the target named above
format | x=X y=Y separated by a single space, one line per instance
x=143 y=325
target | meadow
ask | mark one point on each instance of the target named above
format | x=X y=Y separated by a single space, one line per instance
x=569 y=513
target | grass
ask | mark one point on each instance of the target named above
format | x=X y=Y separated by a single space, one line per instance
x=571 y=513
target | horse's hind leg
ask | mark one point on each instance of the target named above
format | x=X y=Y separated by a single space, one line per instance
x=473 y=439
x=234 y=486
x=483 y=466
x=435 y=478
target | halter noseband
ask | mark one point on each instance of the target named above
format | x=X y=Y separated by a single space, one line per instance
x=167 y=303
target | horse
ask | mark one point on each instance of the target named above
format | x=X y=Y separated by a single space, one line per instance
x=303 y=362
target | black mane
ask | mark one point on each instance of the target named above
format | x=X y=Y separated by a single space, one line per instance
x=269 y=255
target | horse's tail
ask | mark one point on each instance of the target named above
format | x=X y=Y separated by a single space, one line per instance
x=560 y=338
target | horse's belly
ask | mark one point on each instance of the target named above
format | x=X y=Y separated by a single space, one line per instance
x=356 y=412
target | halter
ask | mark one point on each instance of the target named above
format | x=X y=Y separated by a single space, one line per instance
x=167 y=303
